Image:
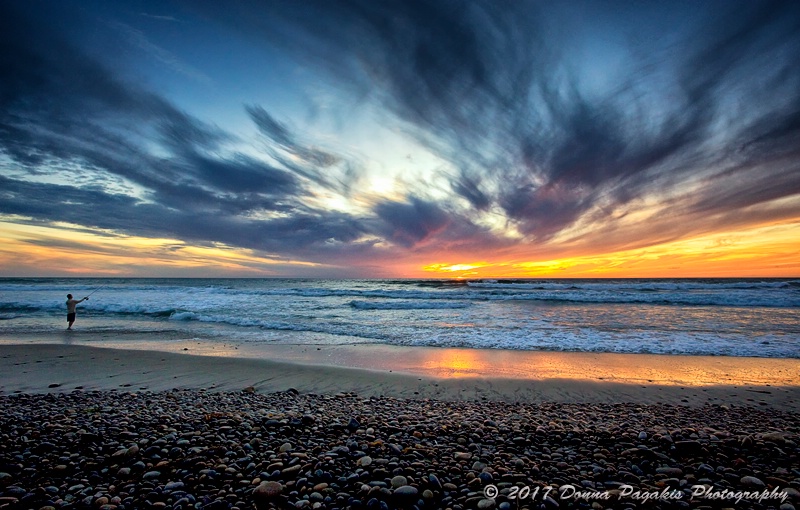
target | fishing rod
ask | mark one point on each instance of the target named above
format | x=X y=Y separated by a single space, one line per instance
x=95 y=290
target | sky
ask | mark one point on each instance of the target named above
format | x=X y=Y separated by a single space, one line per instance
x=400 y=138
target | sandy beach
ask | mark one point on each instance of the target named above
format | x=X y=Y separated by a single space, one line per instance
x=445 y=374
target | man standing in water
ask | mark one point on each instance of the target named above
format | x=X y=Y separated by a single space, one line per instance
x=71 y=304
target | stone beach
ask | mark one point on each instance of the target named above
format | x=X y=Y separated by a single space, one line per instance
x=194 y=448
x=104 y=428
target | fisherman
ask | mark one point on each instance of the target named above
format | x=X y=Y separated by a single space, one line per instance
x=71 y=311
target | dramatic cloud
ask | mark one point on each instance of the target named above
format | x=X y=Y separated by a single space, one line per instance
x=557 y=126
x=487 y=88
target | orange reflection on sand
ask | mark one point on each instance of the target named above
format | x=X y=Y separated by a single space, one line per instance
x=455 y=363
x=645 y=369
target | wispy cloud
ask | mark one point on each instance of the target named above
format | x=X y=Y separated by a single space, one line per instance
x=138 y=39
x=698 y=129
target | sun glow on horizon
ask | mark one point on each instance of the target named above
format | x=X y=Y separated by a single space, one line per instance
x=63 y=249
x=767 y=251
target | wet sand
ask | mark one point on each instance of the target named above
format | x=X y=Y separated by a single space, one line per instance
x=419 y=373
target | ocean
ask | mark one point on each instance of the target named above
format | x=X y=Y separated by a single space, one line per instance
x=727 y=317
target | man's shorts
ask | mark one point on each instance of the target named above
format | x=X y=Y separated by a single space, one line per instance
x=70 y=317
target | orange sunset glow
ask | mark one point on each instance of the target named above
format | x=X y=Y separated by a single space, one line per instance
x=771 y=251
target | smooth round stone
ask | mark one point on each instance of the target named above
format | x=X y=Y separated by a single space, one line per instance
x=486 y=504
x=285 y=447
x=753 y=482
x=365 y=461
x=406 y=491
x=291 y=470
x=265 y=493
x=399 y=481
x=151 y=475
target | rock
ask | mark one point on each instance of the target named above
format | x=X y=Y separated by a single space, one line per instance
x=399 y=481
x=751 y=482
x=151 y=475
x=550 y=503
x=266 y=493
x=704 y=470
x=775 y=437
x=486 y=504
x=364 y=461
x=670 y=471
x=689 y=447
x=792 y=493
x=291 y=471
x=406 y=492
x=249 y=389
x=173 y=486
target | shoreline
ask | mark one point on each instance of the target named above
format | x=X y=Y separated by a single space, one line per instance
x=558 y=377
x=456 y=362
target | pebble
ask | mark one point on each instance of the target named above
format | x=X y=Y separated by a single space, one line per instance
x=187 y=449
x=399 y=481
x=751 y=482
x=486 y=504
x=405 y=491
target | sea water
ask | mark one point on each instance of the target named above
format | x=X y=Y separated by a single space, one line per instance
x=732 y=317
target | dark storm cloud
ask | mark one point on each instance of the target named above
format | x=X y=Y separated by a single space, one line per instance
x=62 y=113
x=495 y=88
x=305 y=232
x=409 y=224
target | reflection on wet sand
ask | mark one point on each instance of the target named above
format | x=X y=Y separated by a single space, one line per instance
x=458 y=363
